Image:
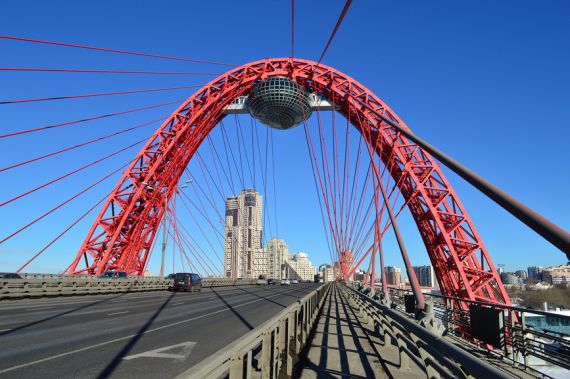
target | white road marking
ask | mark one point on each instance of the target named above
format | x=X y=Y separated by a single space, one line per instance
x=158 y=353
x=4 y=330
x=180 y=302
x=117 y=313
x=38 y=309
x=129 y=336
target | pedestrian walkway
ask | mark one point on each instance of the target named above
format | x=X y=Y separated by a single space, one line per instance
x=343 y=346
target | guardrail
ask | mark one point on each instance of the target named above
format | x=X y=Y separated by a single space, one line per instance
x=532 y=346
x=70 y=285
x=268 y=351
x=416 y=344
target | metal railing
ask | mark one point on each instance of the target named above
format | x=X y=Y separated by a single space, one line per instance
x=47 y=285
x=415 y=344
x=524 y=345
x=268 y=351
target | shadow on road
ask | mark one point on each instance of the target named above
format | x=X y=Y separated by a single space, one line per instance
x=263 y=297
x=107 y=371
x=58 y=315
x=238 y=315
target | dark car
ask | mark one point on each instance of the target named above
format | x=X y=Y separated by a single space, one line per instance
x=187 y=281
x=271 y=281
x=10 y=275
x=113 y=275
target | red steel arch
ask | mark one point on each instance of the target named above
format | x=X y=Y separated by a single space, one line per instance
x=123 y=232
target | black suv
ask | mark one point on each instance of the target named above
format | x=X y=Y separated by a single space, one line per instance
x=187 y=281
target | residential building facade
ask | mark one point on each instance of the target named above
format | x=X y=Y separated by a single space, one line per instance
x=300 y=267
x=393 y=275
x=425 y=275
x=278 y=257
x=243 y=250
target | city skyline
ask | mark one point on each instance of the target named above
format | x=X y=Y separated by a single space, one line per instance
x=246 y=256
x=499 y=88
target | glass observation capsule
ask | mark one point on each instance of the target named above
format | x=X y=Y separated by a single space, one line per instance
x=279 y=103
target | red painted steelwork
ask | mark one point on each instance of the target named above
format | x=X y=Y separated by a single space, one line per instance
x=122 y=235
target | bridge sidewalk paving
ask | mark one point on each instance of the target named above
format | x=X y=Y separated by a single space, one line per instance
x=342 y=346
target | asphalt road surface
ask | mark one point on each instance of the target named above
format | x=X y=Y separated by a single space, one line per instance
x=138 y=335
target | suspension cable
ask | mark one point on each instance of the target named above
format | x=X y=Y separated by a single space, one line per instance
x=292 y=28
x=341 y=17
x=318 y=185
x=66 y=44
x=62 y=233
x=53 y=126
x=96 y=71
x=97 y=94
x=274 y=185
x=72 y=172
x=63 y=203
x=81 y=144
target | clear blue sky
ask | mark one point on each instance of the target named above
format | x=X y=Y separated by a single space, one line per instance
x=485 y=81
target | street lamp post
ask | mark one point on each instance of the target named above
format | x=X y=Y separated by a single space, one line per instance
x=164 y=236
x=164 y=222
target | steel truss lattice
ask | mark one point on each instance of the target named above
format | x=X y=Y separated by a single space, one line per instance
x=125 y=228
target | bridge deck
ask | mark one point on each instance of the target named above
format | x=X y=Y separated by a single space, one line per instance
x=343 y=346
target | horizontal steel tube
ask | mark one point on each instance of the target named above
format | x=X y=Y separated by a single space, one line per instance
x=541 y=225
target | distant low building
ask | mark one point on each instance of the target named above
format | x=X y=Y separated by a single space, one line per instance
x=522 y=274
x=328 y=274
x=509 y=279
x=557 y=274
x=301 y=268
x=358 y=275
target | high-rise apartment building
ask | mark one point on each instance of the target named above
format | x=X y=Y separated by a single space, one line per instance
x=278 y=256
x=535 y=273
x=393 y=275
x=425 y=275
x=243 y=251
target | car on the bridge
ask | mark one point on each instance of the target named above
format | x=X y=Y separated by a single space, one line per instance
x=271 y=281
x=285 y=282
x=187 y=281
x=10 y=275
x=113 y=275
x=294 y=281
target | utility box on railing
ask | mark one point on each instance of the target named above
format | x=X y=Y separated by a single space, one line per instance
x=487 y=325
x=410 y=303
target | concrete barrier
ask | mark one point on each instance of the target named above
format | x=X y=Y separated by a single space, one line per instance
x=51 y=285
x=271 y=349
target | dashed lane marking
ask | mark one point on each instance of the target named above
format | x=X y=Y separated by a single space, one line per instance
x=117 y=313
